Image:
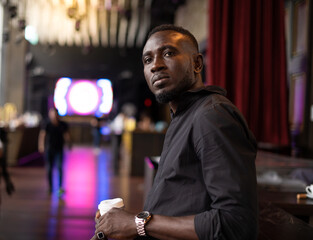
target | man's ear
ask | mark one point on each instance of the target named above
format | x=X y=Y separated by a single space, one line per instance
x=198 y=62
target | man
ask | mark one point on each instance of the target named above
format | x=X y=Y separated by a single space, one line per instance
x=205 y=187
x=52 y=139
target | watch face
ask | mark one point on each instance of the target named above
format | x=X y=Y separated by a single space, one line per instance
x=143 y=214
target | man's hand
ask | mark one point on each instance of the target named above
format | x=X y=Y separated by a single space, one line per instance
x=116 y=224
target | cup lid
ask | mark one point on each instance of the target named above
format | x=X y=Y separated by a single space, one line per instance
x=110 y=203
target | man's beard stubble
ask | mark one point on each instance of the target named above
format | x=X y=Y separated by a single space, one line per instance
x=168 y=96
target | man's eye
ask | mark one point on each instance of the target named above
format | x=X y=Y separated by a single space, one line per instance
x=168 y=54
x=147 y=60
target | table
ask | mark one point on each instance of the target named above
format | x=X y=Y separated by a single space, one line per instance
x=302 y=208
x=284 y=195
x=144 y=144
x=275 y=224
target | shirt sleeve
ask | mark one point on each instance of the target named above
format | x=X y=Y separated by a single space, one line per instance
x=227 y=151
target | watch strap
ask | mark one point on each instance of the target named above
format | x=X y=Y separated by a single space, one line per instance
x=140 y=227
x=141 y=222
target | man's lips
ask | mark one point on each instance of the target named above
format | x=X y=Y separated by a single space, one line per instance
x=158 y=80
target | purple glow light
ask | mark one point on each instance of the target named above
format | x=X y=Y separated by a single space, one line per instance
x=84 y=97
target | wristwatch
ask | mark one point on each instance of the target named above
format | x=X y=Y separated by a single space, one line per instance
x=141 y=220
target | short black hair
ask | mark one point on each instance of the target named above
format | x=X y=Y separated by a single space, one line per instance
x=171 y=27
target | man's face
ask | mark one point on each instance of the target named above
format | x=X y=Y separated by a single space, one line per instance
x=168 y=65
x=53 y=115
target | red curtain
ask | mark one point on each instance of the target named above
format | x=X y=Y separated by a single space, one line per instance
x=246 y=55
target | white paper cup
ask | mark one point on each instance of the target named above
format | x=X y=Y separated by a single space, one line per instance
x=106 y=205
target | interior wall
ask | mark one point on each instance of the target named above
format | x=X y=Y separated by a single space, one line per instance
x=298 y=21
x=310 y=86
x=13 y=65
x=1 y=41
x=197 y=20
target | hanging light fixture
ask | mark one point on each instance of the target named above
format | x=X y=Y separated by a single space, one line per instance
x=106 y=23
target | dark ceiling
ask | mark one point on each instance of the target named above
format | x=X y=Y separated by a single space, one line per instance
x=163 y=11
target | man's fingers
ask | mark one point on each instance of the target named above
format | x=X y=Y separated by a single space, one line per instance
x=97 y=216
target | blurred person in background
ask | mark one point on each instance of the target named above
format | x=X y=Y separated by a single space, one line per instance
x=117 y=129
x=96 y=134
x=96 y=124
x=9 y=187
x=121 y=126
x=145 y=122
x=52 y=138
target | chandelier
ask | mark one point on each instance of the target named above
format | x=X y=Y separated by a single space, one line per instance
x=107 y=23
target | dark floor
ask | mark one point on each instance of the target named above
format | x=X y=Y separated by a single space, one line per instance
x=32 y=214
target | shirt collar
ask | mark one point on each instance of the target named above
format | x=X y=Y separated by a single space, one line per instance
x=191 y=96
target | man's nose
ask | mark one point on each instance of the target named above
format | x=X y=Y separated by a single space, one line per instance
x=158 y=65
